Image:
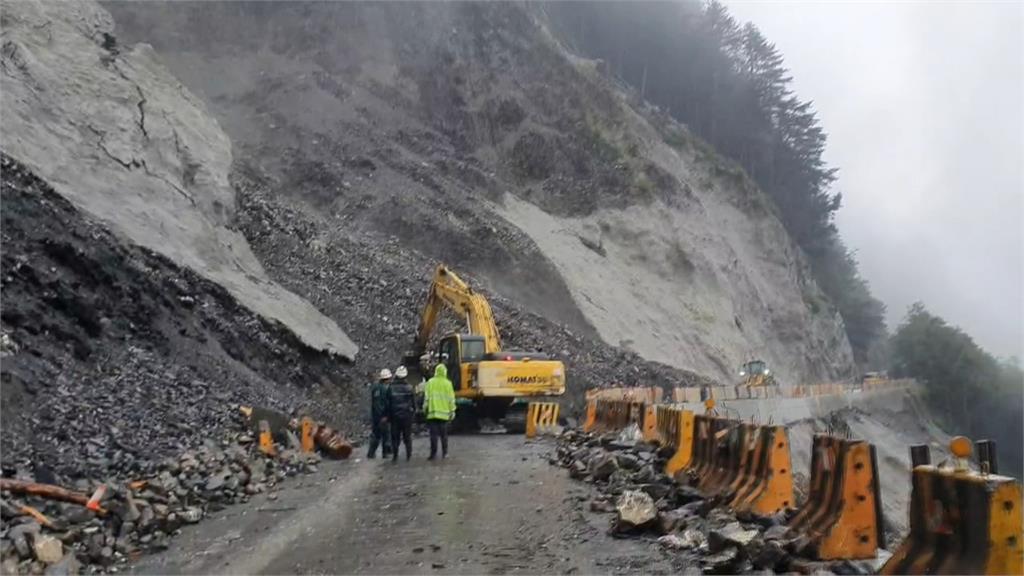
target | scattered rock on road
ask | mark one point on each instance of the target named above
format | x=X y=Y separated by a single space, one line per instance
x=635 y=509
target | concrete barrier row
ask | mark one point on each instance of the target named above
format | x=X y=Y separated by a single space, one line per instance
x=962 y=522
x=741 y=392
x=645 y=394
x=747 y=468
x=607 y=415
x=654 y=394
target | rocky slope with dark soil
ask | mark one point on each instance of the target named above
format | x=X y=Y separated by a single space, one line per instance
x=378 y=286
x=467 y=132
x=114 y=357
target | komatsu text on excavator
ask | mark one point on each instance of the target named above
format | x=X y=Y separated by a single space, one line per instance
x=487 y=380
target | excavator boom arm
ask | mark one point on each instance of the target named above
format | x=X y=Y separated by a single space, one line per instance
x=448 y=289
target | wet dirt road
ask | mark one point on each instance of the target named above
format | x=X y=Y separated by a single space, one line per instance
x=495 y=506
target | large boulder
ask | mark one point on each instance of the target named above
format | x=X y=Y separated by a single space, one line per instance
x=47 y=549
x=602 y=466
x=636 y=510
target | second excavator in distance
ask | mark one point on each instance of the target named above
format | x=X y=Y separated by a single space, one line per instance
x=490 y=383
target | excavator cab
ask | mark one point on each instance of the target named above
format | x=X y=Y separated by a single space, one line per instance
x=456 y=351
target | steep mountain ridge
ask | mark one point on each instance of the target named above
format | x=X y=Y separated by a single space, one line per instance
x=469 y=134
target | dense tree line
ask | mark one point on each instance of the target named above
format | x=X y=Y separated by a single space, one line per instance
x=729 y=84
x=973 y=392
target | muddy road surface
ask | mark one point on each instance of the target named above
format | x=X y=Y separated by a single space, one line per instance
x=495 y=506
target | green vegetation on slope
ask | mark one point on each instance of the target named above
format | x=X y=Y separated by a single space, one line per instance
x=973 y=392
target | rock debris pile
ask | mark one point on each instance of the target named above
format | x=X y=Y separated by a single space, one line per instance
x=646 y=503
x=115 y=358
x=48 y=534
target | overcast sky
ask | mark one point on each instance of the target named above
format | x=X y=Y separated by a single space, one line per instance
x=923 y=103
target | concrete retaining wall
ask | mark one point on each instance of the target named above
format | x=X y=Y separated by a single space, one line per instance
x=787 y=410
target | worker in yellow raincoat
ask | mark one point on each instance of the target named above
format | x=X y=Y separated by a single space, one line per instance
x=439 y=405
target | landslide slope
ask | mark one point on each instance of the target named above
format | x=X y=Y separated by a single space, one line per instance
x=114 y=132
x=114 y=357
x=469 y=135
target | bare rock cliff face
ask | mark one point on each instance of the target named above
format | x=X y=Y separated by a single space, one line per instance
x=466 y=132
x=113 y=131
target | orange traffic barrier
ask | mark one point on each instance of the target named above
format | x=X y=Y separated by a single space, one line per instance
x=612 y=415
x=842 y=516
x=763 y=482
x=744 y=480
x=650 y=427
x=331 y=442
x=708 y=436
x=591 y=421
x=308 y=444
x=961 y=522
x=733 y=452
x=540 y=416
x=675 y=429
x=771 y=490
x=266 y=439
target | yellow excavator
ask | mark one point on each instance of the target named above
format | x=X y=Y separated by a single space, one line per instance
x=489 y=383
x=756 y=374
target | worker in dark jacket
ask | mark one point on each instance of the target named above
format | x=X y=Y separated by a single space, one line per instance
x=379 y=415
x=401 y=408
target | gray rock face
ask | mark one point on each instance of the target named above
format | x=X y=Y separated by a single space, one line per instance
x=120 y=137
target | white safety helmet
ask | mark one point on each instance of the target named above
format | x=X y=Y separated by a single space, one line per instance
x=401 y=372
x=385 y=374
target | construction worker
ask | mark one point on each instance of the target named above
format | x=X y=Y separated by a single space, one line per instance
x=439 y=405
x=401 y=409
x=379 y=433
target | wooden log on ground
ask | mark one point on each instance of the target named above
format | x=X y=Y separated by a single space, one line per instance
x=48 y=491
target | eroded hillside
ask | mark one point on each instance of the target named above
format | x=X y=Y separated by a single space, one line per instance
x=113 y=131
x=467 y=133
